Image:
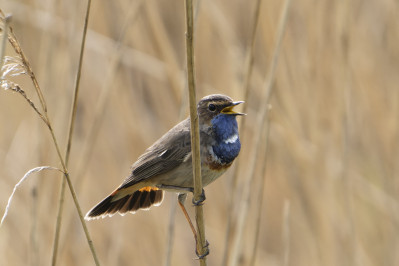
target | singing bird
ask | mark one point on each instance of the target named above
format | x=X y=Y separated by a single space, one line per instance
x=167 y=166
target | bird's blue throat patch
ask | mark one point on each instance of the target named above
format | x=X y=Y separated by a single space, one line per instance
x=228 y=143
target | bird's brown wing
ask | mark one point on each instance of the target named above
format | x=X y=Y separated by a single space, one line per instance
x=163 y=156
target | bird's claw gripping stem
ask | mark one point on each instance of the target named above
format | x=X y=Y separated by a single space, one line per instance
x=206 y=253
x=201 y=199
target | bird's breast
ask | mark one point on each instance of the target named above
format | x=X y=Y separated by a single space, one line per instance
x=225 y=152
x=226 y=145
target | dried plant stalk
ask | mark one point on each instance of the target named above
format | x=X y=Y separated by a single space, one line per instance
x=17 y=48
x=31 y=171
x=248 y=73
x=69 y=141
x=261 y=120
x=195 y=138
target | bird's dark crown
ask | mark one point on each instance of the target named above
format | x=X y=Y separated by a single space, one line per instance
x=212 y=105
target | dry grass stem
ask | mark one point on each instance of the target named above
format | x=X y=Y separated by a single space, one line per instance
x=5 y=22
x=172 y=213
x=260 y=122
x=18 y=64
x=9 y=85
x=248 y=66
x=328 y=147
x=171 y=234
x=17 y=48
x=260 y=193
x=118 y=54
x=195 y=138
x=69 y=141
x=164 y=43
x=286 y=233
x=31 y=171
x=12 y=67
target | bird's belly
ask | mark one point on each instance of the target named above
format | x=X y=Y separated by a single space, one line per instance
x=210 y=174
x=182 y=176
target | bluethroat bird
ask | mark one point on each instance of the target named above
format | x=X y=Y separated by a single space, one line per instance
x=166 y=165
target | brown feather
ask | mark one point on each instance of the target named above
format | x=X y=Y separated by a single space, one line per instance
x=140 y=199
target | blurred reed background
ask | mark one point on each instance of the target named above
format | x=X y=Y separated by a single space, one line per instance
x=331 y=179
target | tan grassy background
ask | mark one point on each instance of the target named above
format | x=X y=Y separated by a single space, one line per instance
x=334 y=131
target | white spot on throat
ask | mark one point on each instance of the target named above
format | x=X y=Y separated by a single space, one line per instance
x=231 y=139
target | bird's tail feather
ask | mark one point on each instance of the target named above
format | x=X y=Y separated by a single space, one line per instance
x=141 y=199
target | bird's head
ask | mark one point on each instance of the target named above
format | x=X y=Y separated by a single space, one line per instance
x=216 y=104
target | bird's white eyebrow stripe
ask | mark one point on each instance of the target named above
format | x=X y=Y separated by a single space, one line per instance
x=232 y=139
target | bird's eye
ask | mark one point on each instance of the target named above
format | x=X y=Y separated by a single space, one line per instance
x=211 y=107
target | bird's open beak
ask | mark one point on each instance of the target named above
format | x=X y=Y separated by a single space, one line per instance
x=229 y=109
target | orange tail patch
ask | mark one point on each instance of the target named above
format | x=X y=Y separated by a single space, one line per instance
x=148 y=189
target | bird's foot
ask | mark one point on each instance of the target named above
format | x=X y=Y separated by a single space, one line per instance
x=201 y=199
x=206 y=253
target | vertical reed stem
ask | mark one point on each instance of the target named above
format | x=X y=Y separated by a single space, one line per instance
x=195 y=138
x=67 y=154
x=261 y=119
x=248 y=73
